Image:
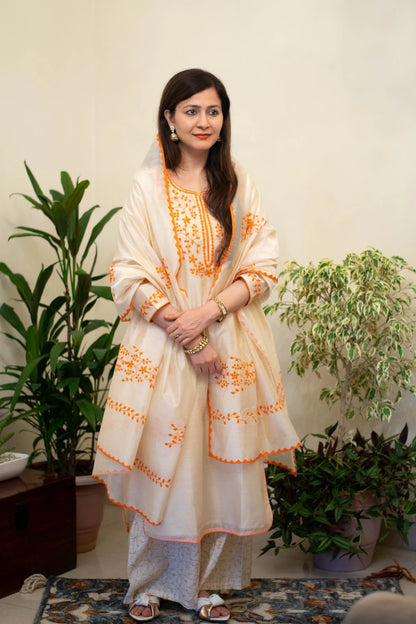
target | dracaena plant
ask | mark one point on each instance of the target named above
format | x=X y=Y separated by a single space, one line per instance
x=356 y=320
x=59 y=383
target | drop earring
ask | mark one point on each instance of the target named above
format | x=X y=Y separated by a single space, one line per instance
x=173 y=136
x=219 y=139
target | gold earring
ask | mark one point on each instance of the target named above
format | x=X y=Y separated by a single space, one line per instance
x=173 y=136
x=219 y=140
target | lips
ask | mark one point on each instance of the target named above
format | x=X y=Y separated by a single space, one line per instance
x=202 y=136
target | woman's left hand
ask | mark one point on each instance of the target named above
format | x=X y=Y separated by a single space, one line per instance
x=185 y=326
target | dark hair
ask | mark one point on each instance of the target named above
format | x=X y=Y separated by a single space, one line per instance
x=221 y=177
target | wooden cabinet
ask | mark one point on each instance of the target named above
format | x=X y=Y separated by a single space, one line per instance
x=37 y=527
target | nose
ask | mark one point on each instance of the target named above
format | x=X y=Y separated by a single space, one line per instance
x=203 y=120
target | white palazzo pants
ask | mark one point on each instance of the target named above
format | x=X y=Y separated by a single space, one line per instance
x=177 y=571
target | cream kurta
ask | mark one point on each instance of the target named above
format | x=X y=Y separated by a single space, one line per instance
x=187 y=451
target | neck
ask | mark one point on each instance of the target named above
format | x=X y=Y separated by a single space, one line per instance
x=192 y=161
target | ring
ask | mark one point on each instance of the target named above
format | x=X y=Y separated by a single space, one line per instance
x=176 y=336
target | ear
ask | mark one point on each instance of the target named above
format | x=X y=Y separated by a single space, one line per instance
x=169 y=117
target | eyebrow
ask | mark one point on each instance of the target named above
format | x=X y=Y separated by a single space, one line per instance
x=196 y=106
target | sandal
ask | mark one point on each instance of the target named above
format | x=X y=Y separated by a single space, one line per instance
x=206 y=604
x=145 y=600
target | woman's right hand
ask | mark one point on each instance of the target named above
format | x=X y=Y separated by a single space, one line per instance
x=206 y=361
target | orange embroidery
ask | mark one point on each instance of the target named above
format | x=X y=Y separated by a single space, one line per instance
x=150 y=302
x=124 y=316
x=256 y=284
x=239 y=375
x=244 y=419
x=126 y=410
x=135 y=366
x=164 y=273
x=251 y=224
x=176 y=437
x=198 y=233
x=151 y=475
x=111 y=274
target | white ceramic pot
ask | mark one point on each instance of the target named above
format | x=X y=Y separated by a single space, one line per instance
x=14 y=466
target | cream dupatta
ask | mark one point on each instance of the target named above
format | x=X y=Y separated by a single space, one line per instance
x=153 y=389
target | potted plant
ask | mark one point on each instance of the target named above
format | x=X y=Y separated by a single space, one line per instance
x=355 y=321
x=59 y=387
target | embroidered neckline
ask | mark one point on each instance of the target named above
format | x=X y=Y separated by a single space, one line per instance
x=181 y=188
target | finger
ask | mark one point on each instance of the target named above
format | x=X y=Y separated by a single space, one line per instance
x=172 y=316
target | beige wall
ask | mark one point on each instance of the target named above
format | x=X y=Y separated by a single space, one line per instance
x=323 y=101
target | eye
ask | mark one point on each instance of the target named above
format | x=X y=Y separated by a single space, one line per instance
x=214 y=112
x=190 y=111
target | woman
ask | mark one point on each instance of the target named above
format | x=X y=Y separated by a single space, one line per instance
x=196 y=403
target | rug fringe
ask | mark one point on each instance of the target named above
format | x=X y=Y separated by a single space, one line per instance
x=33 y=582
x=394 y=570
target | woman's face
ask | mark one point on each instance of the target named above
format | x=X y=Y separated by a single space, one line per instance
x=197 y=120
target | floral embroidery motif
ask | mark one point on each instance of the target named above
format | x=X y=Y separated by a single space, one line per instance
x=164 y=273
x=251 y=224
x=151 y=474
x=253 y=416
x=126 y=410
x=256 y=284
x=111 y=274
x=135 y=366
x=176 y=436
x=238 y=375
x=198 y=232
x=150 y=302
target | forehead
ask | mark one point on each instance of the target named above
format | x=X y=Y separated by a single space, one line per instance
x=208 y=97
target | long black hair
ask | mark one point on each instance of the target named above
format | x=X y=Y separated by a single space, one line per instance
x=221 y=176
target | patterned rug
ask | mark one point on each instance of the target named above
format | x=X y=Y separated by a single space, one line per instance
x=285 y=601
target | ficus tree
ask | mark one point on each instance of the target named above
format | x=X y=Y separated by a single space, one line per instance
x=355 y=319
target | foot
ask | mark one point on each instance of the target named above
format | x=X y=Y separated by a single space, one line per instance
x=213 y=608
x=144 y=608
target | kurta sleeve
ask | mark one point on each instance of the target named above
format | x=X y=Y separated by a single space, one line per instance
x=135 y=282
x=258 y=267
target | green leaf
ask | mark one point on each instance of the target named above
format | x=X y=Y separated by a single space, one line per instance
x=9 y=315
x=91 y=412
x=67 y=183
x=55 y=354
x=59 y=219
x=103 y=292
x=52 y=240
x=81 y=294
x=39 y=193
x=26 y=373
x=98 y=229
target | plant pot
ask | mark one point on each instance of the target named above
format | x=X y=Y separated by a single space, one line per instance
x=369 y=531
x=90 y=497
x=14 y=466
x=395 y=541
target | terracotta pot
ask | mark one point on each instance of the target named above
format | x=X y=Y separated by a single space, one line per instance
x=370 y=531
x=90 y=497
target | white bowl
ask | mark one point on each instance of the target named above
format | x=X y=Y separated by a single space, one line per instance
x=13 y=467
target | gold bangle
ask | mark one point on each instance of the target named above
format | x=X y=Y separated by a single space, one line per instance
x=198 y=347
x=222 y=308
